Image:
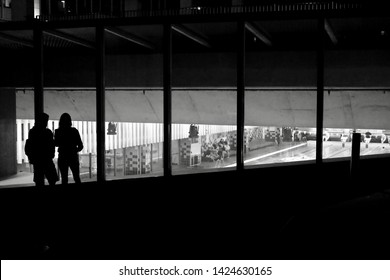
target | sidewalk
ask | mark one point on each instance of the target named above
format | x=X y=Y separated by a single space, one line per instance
x=22 y=178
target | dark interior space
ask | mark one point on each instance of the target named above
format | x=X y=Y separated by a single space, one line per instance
x=308 y=214
x=313 y=65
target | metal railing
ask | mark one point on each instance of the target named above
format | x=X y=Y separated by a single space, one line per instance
x=265 y=8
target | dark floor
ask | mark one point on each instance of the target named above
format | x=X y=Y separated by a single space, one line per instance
x=295 y=212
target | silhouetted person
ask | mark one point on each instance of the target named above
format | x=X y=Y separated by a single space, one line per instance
x=40 y=151
x=68 y=141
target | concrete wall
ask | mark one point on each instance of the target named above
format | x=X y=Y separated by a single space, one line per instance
x=297 y=71
x=7 y=132
x=364 y=109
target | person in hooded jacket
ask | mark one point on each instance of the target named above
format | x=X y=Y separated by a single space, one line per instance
x=40 y=151
x=69 y=143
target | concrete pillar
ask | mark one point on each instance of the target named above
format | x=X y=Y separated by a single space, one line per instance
x=241 y=52
x=355 y=156
x=320 y=89
x=19 y=141
x=167 y=82
x=8 y=151
x=100 y=103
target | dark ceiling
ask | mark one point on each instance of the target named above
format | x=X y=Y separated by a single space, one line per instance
x=261 y=35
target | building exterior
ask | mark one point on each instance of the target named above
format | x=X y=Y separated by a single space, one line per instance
x=231 y=125
x=297 y=68
x=27 y=9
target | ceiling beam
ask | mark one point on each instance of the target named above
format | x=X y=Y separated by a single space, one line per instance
x=191 y=35
x=258 y=33
x=329 y=31
x=129 y=37
x=17 y=40
x=70 y=38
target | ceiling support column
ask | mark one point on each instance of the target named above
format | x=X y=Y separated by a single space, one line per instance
x=240 y=94
x=38 y=70
x=167 y=77
x=100 y=103
x=320 y=90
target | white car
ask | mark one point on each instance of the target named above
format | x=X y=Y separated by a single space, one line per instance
x=325 y=136
x=344 y=137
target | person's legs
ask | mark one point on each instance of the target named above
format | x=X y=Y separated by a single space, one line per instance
x=39 y=175
x=63 y=166
x=74 y=165
x=51 y=173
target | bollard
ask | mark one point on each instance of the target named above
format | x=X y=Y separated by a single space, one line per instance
x=124 y=161
x=90 y=165
x=114 y=162
x=355 y=155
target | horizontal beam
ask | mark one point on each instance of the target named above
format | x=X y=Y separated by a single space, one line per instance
x=191 y=35
x=70 y=38
x=17 y=40
x=129 y=37
x=329 y=31
x=258 y=33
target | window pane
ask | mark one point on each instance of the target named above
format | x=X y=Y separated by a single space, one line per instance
x=356 y=86
x=69 y=81
x=134 y=101
x=280 y=95
x=204 y=97
x=16 y=106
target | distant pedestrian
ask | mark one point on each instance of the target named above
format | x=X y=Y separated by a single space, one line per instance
x=367 y=138
x=40 y=151
x=68 y=141
x=277 y=138
x=383 y=138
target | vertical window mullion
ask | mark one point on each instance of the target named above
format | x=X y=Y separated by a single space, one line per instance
x=240 y=93
x=167 y=76
x=100 y=102
x=38 y=70
x=320 y=90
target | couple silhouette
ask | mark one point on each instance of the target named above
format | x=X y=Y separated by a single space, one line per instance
x=40 y=150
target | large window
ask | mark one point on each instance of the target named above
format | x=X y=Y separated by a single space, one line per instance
x=69 y=81
x=357 y=97
x=134 y=102
x=282 y=80
x=203 y=97
x=280 y=95
x=16 y=106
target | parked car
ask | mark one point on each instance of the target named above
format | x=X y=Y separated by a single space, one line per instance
x=325 y=136
x=345 y=137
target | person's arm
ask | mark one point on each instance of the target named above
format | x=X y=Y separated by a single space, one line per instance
x=80 y=145
x=51 y=147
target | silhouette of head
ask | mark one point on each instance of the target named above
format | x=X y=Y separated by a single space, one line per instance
x=65 y=120
x=41 y=120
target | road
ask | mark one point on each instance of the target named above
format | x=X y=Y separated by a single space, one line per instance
x=292 y=152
